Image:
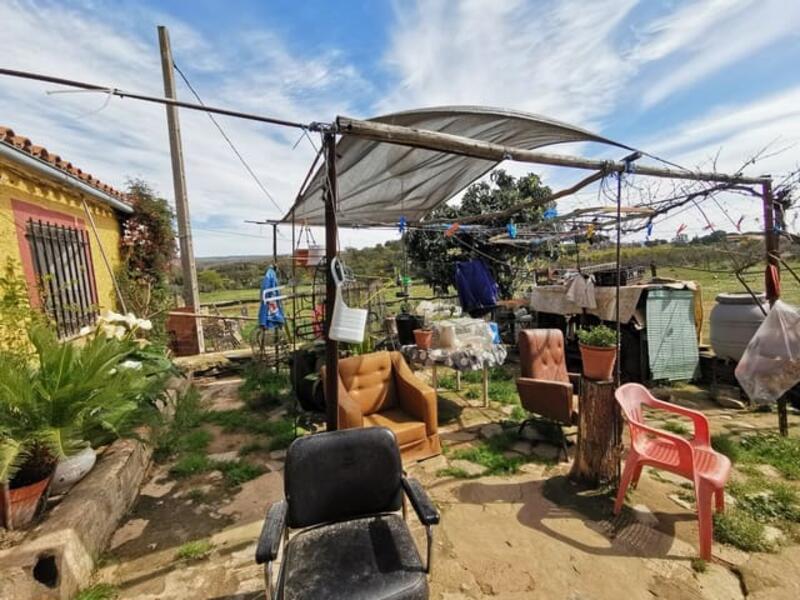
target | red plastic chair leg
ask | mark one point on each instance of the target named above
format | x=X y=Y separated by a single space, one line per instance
x=719 y=497
x=636 y=474
x=631 y=465
x=705 y=520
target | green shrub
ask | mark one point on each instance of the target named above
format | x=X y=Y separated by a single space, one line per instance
x=599 y=336
x=191 y=464
x=194 y=550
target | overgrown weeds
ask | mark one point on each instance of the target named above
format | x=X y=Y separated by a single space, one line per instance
x=99 y=591
x=194 y=550
x=783 y=453
x=263 y=387
x=493 y=454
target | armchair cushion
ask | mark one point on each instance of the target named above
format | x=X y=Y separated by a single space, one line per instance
x=406 y=428
x=370 y=558
x=550 y=399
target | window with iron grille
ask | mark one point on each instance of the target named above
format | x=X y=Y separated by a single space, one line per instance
x=63 y=268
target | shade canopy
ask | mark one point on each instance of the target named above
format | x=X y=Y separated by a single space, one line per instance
x=380 y=182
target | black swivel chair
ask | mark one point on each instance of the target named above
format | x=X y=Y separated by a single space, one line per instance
x=343 y=490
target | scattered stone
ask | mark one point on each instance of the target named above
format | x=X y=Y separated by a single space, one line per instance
x=728 y=402
x=772 y=535
x=506 y=409
x=224 y=456
x=215 y=476
x=680 y=502
x=644 y=515
x=278 y=454
x=274 y=465
x=129 y=531
x=546 y=451
x=769 y=471
x=470 y=468
x=158 y=490
x=491 y=430
x=459 y=436
x=523 y=447
x=532 y=434
x=433 y=465
x=532 y=469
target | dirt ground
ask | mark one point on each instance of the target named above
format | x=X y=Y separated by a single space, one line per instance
x=530 y=535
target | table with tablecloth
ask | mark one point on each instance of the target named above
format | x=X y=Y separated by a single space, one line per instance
x=470 y=358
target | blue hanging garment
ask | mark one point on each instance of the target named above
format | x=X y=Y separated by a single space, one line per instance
x=476 y=286
x=270 y=313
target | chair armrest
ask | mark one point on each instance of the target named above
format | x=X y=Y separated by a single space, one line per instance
x=415 y=397
x=550 y=399
x=685 y=450
x=271 y=533
x=701 y=430
x=426 y=511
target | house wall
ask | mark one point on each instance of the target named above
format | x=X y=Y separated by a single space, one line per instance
x=20 y=187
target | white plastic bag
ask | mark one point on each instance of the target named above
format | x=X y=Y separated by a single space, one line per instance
x=770 y=365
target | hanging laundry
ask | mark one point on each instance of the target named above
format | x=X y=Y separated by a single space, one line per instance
x=649 y=228
x=477 y=289
x=270 y=313
x=401 y=225
x=580 y=291
x=550 y=213
x=451 y=230
x=512 y=231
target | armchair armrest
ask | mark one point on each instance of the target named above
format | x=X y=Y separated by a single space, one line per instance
x=426 y=511
x=349 y=414
x=271 y=533
x=414 y=396
x=701 y=430
x=550 y=399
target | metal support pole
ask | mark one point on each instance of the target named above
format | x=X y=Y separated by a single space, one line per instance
x=191 y=294
x=772 y=242
x=331 y=346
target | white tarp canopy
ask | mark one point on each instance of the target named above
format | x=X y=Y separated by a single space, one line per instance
x=379 y=182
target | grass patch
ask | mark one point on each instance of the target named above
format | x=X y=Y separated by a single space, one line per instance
x=196 y=495
x=194 y=550
x=491 y=455
x=676 y=427
x=239 y=472
x=263 y=387
x=699 y=565
x=455 y=472
x=188 y=415
x=195 y=441
x=252 y=447
x=504 y=392
x=191 y=464
x=99 y=591
x=447 y=381
x=725 y=444
x=738 y=528
x=783 y=453
x=236 y=472
x=472 y=393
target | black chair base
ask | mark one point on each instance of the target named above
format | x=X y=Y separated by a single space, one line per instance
x=561 y=437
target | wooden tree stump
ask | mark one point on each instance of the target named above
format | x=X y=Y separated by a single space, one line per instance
x=597 y=453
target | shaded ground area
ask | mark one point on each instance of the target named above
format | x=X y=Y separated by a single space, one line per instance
x=513 y=525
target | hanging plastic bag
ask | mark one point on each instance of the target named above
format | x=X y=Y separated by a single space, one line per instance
x=347 y=324
x=770 y=365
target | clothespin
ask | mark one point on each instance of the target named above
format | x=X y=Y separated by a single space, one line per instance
x=739 y=223
x=590 y=231
x=512 y=230
x=401 y=225
x=649 y=228
x=550 y=213
x=451 y=230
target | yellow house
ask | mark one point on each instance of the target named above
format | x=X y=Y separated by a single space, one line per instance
x=62 y=228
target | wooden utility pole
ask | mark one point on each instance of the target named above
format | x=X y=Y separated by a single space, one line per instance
x=191 y=294
x=331 y=382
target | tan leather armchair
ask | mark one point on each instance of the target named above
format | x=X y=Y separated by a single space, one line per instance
x=379 y=390
x=545 y=388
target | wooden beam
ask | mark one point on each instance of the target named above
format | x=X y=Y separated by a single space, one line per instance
x=464 y=146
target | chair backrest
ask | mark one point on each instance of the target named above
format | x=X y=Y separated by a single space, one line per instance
x=369 y=380
x=339 y=475
x=541 y=354
x=631 y=397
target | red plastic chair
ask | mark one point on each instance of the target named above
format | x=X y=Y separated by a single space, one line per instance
x=694 y=459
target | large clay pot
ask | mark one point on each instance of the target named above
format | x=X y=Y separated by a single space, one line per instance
x=71 y=470
x=423 y=338
x=22 y=503
x=734 y=320
x=598 y=362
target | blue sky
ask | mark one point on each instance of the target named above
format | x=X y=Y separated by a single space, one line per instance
x=688 y=80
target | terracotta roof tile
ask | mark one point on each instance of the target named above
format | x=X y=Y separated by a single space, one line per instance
x=7 y=136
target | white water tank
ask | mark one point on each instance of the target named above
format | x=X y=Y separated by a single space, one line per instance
x=734 y=320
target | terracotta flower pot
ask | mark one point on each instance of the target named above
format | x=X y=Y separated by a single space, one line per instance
x=423 y=338
x=598 y=362
x=23 y=502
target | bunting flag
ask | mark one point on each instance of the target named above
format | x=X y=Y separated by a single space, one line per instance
x=401 y=225
x=680 y=229
x=739 y=224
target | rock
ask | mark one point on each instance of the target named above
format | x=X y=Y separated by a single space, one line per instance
x=231 y=456
x=491 y=430
x=158 y=490
x=546 y=451
x=129 y=531
x=644 y=515
x=772 y=535
x=728 y=402
x=769 y=471
x=532 y=434
x=459 y=436
x=681 y=502
x=470 y=468
x=433 y=465
x=274 y=465
x=506 y=409
x=214 y=476
x=522 y=446
x=278 y=454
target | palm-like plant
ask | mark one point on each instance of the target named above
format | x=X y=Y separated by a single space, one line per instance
x=49 y=409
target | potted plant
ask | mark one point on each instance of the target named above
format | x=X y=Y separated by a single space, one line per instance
x=423 y=337
x=54 y=406
x=598 y=352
